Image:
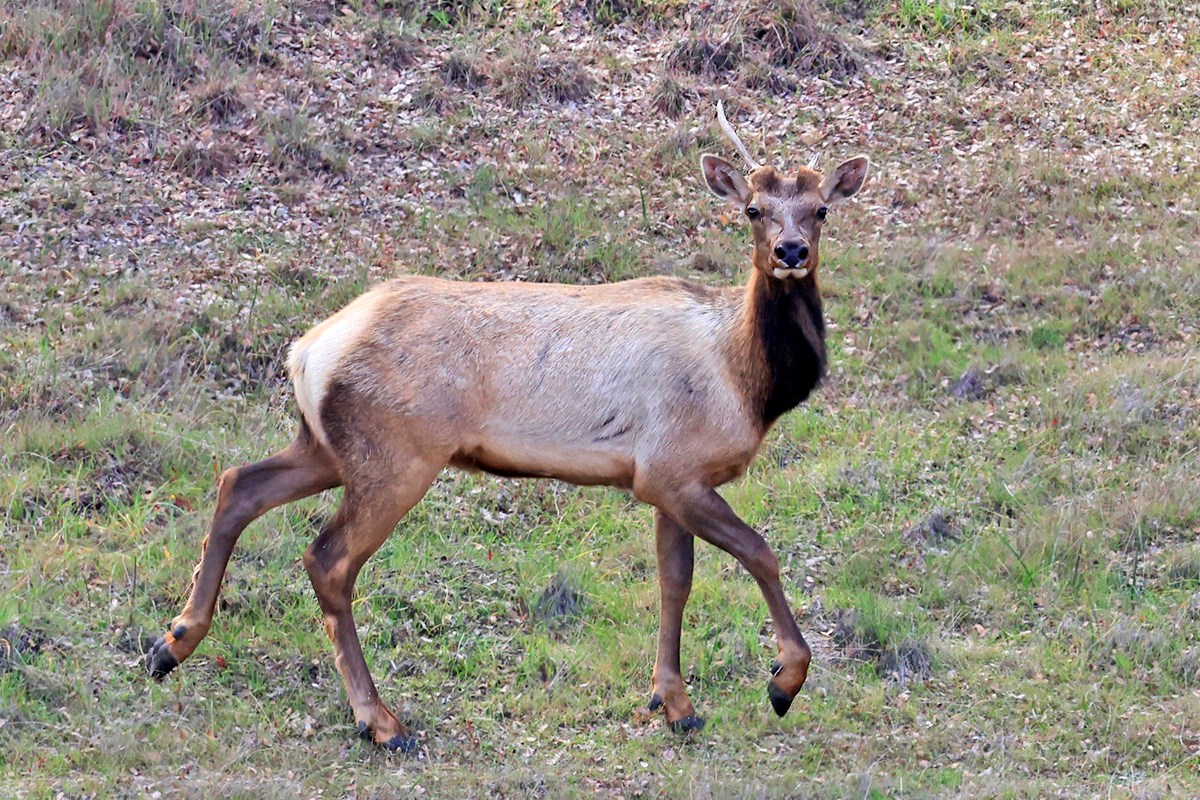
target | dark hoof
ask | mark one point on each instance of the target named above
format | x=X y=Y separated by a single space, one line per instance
x=159 y=660
x=781 y=701
x=402 y=744
x=687 y=724
x=398 y=743
x=655 y=703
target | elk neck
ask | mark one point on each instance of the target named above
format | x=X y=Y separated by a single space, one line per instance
x=778 y=347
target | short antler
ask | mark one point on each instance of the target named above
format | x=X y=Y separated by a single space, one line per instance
x=733 y=137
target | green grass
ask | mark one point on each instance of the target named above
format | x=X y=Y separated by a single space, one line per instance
x=1041 y=643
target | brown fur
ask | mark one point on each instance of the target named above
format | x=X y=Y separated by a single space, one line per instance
x=659 y=385
x=770 y=181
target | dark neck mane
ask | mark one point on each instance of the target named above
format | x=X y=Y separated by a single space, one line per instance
x=781 y=339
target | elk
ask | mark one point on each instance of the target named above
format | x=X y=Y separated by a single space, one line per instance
x=661 y=386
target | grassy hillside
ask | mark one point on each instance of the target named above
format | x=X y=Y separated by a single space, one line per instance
x=987 y=517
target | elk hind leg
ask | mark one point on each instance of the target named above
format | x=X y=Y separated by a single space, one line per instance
x=676 y=555
x=244 y=494
x=363 y=522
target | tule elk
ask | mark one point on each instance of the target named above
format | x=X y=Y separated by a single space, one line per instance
x=657 y=385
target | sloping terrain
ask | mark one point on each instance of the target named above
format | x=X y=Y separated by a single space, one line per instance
x=986 y=518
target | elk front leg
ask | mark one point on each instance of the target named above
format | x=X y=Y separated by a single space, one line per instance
x=706 y=514
x=675 y=548
x=244 y=494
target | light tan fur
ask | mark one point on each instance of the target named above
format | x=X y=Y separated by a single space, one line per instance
x=659 y=385
x=587 y=384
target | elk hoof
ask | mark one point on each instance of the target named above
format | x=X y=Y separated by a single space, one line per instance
x=781 y=701
x=159 y=661
x=401 y=744
x=687 y=724
x=655 y=703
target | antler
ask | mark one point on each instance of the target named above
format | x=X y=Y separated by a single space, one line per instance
x=733 y=137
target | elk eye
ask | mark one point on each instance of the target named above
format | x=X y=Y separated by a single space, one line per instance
x=821 y=212
x=753 y=213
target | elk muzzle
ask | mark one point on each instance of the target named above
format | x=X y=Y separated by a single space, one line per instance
x=792 y=253
x=790 y=256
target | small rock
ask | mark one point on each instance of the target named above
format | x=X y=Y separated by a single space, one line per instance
x=970 y=386
x=938 y=527
x=906 y=663
x=559 y=602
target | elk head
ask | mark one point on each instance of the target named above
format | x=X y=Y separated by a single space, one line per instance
x=785 y=213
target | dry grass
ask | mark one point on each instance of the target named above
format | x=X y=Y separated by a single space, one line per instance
x=670 y=98
x=770 y=47
x=394 y=44
x=103 y=65
x=524 y=75
x=204 y=161
x=794 y=38
x=292 y=137
x=706 y=54
x=464 y=69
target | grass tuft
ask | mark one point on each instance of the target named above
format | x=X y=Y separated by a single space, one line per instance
x=794 y=38
x=292 y=137
x=670 y=97
x=524 y=76
x=394 y=44
x=203 y=161
x=218 y=99
x=463 y=70
x=704 y=54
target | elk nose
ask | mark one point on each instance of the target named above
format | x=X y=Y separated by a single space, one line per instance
x=791 y=253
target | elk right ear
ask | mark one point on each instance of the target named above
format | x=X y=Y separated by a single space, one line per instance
x=724 y=180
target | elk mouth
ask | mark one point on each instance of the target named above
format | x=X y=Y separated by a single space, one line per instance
x=790 y=272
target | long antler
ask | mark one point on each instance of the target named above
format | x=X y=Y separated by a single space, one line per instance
x=733 y=137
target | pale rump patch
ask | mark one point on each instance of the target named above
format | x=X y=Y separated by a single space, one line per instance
x=314 y=357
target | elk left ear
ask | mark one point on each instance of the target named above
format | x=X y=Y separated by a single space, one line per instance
x=847 y=179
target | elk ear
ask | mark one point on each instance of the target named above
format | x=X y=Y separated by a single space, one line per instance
x=847 y=179
x=724 y=180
